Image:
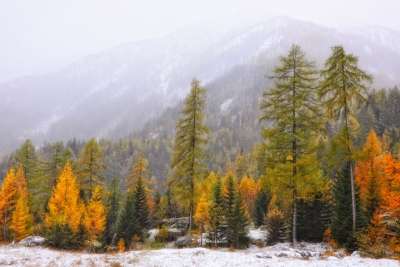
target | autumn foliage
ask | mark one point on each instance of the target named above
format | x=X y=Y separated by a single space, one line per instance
x=65 y=206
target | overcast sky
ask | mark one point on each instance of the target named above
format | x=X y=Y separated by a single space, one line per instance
x=38 y=36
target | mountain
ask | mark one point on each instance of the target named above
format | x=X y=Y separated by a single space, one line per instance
x=135 y=87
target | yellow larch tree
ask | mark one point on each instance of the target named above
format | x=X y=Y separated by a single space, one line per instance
x=65 y=206
x=21 y=218
x=369 y=173
x=95 y=215
x=8 y=195
x=248 y=189
x=201 y=215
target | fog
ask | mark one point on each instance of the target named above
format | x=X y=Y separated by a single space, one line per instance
x=43 y=35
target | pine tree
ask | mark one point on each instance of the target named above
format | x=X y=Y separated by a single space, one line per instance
x=91 y=167
x=342 y=223
x=293 y=111
x=21 y=218
x=216 y=213
x=113 y=208
x=188 y=154
x=95 y=215
x=235 y=216
x=343 y=87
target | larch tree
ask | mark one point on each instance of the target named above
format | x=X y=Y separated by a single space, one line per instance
x=248 y=189
x=8 y=198
x=95 y=215
x=38 y=185
x=201 y=216
x=292 y=110
x=342 y=88
x=139 y=171
x=188 y=152
x=65 y=207
x=91 y=167
x=369 y=172
x=21 y=218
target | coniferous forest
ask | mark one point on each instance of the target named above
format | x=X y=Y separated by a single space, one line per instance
x=324 y=167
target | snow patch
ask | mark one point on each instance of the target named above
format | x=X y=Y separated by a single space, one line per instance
x=280 y=255
x=226 y=104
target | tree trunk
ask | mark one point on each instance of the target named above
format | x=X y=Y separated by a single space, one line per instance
x=346 y=117
x=353 y=197
x=294 y=226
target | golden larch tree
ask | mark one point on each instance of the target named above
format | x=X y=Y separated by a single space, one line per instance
x=21 y=218
x=65 y=206
x=8 y=196
x=201 y=216
x=248 y=189
x=95 y=215
x=369 y=173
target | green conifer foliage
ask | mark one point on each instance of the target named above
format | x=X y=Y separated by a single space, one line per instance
x=235 y=216
x=260 y=208
x=91 y=167
x=113 y=207
x=38 y=186
x=188 y=154
x=217 y=213
x=292 y=110
x=342 y=89
x=342 y=223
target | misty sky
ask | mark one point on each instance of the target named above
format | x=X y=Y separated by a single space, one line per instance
x=38 y=36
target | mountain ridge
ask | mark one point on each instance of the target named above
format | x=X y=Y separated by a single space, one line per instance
x=116 y=92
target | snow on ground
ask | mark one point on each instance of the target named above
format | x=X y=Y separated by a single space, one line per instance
x=280 y=255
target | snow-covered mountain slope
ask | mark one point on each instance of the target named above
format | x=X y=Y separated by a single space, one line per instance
x=113 y=93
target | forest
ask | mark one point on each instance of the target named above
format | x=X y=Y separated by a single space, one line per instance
x=323 y=166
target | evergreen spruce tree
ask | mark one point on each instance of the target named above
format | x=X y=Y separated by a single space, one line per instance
x=188 y=154
x=342 y=222
x=291 y=107
x=313 y=218
x=342 y=89
x=135 y=216
x=235 y=217
x=128 y=223
x=260 y=208
x=170 y=206
x=113 y=207
x=141 y=207
x=217 y=217
x=276 y=226
x=91 y=167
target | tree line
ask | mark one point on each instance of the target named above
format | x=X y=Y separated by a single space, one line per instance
x=312 y=178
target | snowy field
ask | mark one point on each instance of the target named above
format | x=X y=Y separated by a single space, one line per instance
x=280 y=255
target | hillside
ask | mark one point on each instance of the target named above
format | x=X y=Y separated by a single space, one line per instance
x=117 y=92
